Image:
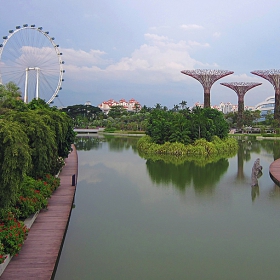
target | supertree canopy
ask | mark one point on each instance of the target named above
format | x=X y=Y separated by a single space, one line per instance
x=207 y=78
x=240 y=88
x=273 y=76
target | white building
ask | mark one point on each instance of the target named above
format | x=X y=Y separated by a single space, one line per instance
x=266 y=106
x=223 y=107
x=130 y=105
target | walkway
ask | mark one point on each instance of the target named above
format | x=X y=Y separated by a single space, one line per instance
x=274 y=171
x=40 y=252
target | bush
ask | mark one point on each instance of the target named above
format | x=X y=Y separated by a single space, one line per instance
x=33 y=195
x=200 y=147
x=2 y=253
x=12 y=234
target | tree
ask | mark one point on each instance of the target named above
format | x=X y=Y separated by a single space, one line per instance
x=185 y=126
x=15 y=160
x=41 y=140
x=117 y=111
x=183 y=104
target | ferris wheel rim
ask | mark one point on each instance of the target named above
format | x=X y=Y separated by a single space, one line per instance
x=55 y=46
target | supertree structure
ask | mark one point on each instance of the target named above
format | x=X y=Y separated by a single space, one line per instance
x=240 y=88
x=273 y=76
x=207 y=78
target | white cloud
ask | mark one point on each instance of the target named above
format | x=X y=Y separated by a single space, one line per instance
x=191 y=27
x=216 y=34
x=82 y=58
x=197 y=44
x=159 y=60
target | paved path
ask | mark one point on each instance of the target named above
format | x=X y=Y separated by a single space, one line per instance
x=37 y=259
x=274 y=171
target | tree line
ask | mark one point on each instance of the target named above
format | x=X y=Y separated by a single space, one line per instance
x=34 y=138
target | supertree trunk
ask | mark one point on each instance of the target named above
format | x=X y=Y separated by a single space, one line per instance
x=240 y=113
x=206 y=98
x=240 y=88
x=277 y=105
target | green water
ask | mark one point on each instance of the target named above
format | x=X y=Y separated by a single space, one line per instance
x=139 y=219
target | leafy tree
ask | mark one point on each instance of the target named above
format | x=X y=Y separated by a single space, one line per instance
x=184 y=126
x=183 y=104
x=41 y=140
x=83 y=115
x=117 y=111
x=15 y=160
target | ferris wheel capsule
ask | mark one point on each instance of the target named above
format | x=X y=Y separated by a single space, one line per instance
x=35 y=66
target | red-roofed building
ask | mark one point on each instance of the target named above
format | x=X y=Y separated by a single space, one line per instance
x=132 y=105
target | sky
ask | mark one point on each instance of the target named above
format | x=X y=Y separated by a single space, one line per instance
x=138 y=48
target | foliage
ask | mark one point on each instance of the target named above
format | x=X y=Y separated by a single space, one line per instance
x=41 y=141
x=249 y=118
x=185 y=126
x=15 y=159
x=83 y=115
x=33 y=195
x=201 y=147
x=2 y=253
x=12 y=233
x=117 y=111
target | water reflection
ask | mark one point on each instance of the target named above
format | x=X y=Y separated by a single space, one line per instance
x=87 y=143
x=204 y=178
x=145 y=220
x=116 y=143
x=120 y=143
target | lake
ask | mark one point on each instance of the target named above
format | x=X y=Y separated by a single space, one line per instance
x=141 y=219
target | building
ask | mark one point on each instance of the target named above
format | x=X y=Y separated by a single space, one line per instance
x=225 y=107
x=132 y=105
x=267 y=106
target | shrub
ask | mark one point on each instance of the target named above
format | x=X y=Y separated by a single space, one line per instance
x=33 y=195
x=2 y=253
x=12 y=234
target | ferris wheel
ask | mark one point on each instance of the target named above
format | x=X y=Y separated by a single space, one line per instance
x=30 y=58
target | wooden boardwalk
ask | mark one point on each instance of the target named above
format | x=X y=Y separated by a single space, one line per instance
x=274 y=171
x=41 y=250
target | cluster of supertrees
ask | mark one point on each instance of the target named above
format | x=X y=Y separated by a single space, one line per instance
x=208 y=77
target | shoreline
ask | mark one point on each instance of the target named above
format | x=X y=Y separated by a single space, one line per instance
x=41 y=250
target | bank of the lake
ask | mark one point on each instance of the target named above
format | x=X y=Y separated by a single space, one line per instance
x=40 y=252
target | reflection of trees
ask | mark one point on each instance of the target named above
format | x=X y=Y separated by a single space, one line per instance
x=272 y=147
x=115 y=143
x=87 y=143
x=245 y=148
x=203 y=177
x=121 y=143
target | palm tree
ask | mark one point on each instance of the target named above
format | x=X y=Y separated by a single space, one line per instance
x=183 y=104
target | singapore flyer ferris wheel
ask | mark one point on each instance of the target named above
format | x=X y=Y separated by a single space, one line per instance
x=31 y=59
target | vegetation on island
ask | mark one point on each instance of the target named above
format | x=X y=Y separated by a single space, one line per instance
x=199 y=133
x=35 y=140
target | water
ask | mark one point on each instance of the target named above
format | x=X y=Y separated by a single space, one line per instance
x=138 y=219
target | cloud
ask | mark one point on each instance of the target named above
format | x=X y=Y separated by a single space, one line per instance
x=159 y=60
x=216 y=34
x=82 y=58
x=191 y=27
x=197 y=44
